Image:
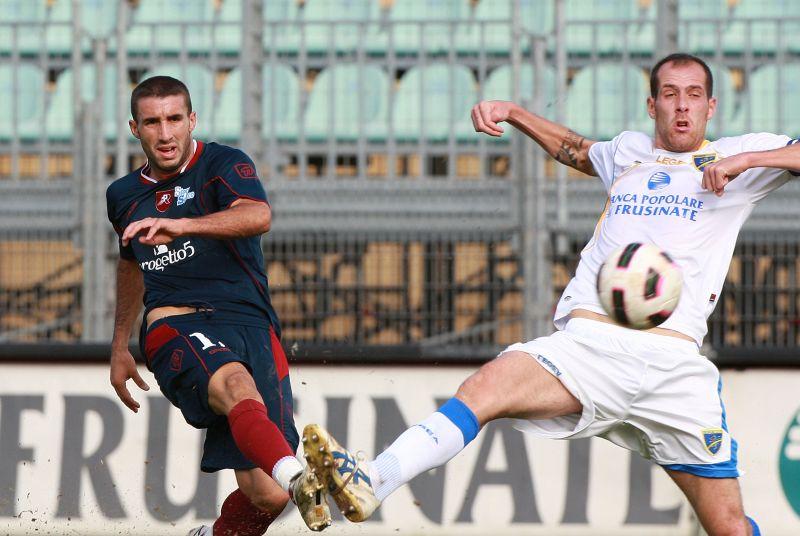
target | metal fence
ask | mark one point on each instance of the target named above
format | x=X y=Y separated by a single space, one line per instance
x=395 y=225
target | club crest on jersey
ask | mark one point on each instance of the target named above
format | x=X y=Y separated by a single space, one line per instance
x=702 y=160
x=658 y=180
x=712 y=439
x=164 y=200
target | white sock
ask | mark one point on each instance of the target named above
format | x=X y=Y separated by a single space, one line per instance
x=431 y=443
x=284 y=470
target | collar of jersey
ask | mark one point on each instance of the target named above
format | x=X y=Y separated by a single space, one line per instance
x=702 y=146
x=197 y=149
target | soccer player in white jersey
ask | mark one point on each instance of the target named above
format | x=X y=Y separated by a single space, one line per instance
x=648 y=391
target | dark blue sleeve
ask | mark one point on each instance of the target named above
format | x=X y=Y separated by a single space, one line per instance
x=125 y=252
x=236 y=178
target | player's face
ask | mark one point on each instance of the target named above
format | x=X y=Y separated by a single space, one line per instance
x=681 y=108
x=164 y=126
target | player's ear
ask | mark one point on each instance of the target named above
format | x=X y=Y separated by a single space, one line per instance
x=192 y=120
x=712 y=107
x=651 y=107
x=134 y=128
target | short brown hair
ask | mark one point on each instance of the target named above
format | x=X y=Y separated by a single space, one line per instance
x=681 y=58
x=159 y=86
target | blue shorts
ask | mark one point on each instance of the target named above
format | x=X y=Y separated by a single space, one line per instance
x=183 y=351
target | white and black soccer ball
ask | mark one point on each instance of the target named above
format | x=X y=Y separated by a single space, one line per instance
x=639 y=285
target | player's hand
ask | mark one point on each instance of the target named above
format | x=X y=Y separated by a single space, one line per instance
x=716 y=176
x=123 y=368
x=486 y=115
x=154 y=231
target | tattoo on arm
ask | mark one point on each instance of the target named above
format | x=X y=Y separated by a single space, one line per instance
x=570 y=145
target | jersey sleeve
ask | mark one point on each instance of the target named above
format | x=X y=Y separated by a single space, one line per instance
x=602 y=155
x=235 y=178
x=125 y=252
x=758 y=182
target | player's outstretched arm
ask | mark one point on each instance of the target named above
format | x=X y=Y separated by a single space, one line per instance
x=717 y=175
x=561 y=143
x=244 y=218
x=130 y=289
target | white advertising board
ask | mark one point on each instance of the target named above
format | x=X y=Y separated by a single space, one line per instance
x=74 y=460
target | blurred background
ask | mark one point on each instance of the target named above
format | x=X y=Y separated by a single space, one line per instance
x=401 y=238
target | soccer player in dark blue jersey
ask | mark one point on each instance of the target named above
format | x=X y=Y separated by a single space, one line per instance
x=189 y=224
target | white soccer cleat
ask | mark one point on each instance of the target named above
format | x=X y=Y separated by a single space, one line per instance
x=202 y=530
x=339 y=472
x=308 y=495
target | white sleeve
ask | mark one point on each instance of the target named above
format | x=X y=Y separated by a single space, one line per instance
x=758 y=182
x=602 y=154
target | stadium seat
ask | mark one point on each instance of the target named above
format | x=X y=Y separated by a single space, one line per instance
x=499 y=86
x=22 y=20
x=490 y=30
x=606 y=99
x=348 y=34
x=771 y=96
x=764 y=36
x=228 y=31
x=280 y=105
x=61 y=111
x=432 y=99
x=25 y=99
x=201 y=88
x=281 y=26
x=98 y=20
x=169 y=26
x=346 y=102
x=621 y=25
x=724 y=121
x=411 y=25
x=702 y=37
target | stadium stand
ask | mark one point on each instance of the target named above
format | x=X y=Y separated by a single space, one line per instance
x=61 y=110
x=489 y=28
x=22 y=102
x=771 y=101
x=169 y=26
x=100 y=15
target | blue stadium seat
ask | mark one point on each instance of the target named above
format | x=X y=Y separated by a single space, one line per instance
x=606 y=99
x=61 y=110
x=763 y=36
x=623 y=25
x=433 y=99
x=771 y=96
x=98 y=20
x=347 y=102
x=280 y=107
x=201 y=88
x=490 y=30
x=182 y=24
x=21 y=21
x=418 y=21
x=21 y=102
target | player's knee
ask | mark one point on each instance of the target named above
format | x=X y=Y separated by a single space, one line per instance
x=729 y=523
x=229 y=386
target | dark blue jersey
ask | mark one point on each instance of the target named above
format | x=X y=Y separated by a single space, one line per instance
x=226 y=274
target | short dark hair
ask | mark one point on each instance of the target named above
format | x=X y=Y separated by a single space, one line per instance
x=681 y=58
x=159 y=86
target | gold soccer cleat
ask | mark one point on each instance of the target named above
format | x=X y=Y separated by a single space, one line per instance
x=308 y=495
x=339 y=472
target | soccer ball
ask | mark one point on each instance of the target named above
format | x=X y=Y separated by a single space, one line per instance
x=639 y=285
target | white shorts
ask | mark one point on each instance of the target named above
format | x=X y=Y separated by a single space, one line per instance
x=648 y=393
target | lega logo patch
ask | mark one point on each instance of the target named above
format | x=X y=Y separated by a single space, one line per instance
x=176 y=360
x=712 y=439
x=163 y=200
x=245 y=171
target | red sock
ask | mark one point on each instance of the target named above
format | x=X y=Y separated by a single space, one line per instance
x=240 y=517
x=256 y=436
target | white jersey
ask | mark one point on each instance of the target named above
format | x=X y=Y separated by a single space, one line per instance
x=656 y=196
